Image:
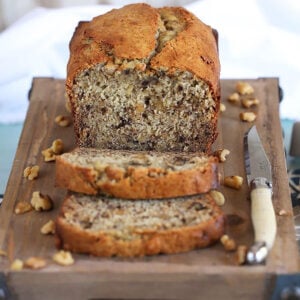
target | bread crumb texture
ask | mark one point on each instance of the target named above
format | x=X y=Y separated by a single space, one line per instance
x=124 y=219
x=108 y=226
x=136 y=174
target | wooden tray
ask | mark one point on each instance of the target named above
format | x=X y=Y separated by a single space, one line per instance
x=202 y=274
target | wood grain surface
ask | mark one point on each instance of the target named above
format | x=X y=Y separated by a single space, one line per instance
x=210 y=273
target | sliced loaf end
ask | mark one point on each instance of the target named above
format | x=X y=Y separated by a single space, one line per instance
x=111 y=227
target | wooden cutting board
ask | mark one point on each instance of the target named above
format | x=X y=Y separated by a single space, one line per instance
x=202 y=274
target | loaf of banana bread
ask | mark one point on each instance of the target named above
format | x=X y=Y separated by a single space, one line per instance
x=136 y=174
x=144 y=78
x=114 y=227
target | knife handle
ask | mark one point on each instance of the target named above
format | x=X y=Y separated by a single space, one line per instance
x=262 y=212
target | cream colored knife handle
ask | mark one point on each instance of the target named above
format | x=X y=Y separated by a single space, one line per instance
x=263 y=216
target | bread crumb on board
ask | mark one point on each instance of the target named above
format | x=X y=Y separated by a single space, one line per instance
x=35 y=263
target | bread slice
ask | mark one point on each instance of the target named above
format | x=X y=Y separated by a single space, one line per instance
x=144 y=78
x=136 y=174
x=112 y=227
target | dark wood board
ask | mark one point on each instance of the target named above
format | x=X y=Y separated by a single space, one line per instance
x=202 y=274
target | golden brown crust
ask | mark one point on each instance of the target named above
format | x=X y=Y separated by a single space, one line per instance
x=131 y=33
x=194 y=50
x=73 y=238
x=137 y=182
x=127 y=33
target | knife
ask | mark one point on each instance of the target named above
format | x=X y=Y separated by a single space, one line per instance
x=259 y=177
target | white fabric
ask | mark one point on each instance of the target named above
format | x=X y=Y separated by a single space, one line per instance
x=256 y=39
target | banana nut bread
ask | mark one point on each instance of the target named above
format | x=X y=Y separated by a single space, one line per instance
x=111 y=227
x=144 y=78
x=136 y=174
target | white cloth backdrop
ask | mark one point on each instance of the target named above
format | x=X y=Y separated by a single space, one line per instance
x=256 y=39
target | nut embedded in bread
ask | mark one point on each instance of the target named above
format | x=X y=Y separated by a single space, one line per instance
x=142 y=78
x=136 y=174
x=112 y=227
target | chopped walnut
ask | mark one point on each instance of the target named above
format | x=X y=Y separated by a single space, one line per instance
x=248 y=116
x=218 y=197
x=63 y=258
x=41 y=202
x=23 y=207
x=17 y=265
x=63 y=121
x=241 y=254
x=228 y=243
x=244 y=88
x=48 y=228
x=35 y=263
x=49 y=155
x=57 y=146
x=234 y=98
x=221 y=154
x=31 y=172
x=234 y=181
x=249 y=102
x=222 y=107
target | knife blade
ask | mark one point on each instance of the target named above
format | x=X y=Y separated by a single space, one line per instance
x=259 y=177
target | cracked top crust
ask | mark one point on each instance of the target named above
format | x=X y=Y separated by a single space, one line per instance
x=167 y=39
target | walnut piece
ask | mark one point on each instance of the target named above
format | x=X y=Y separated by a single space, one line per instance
x=234 y=98
x=35 y=263
x=49 y=155
x=249 y=102
x=56 y=148
x=23 y=207
x=48 y=228
x=41 y=202
x=247 y=116
x=244 y=88
x=31 y=172
x=228 y=243
x=221 y=154
x=63 y=258
x=63 y=121
x=218 y=197
x=17 y=265
x=234 y=181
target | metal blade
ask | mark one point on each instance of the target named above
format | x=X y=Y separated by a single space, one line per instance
x=256 y=160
